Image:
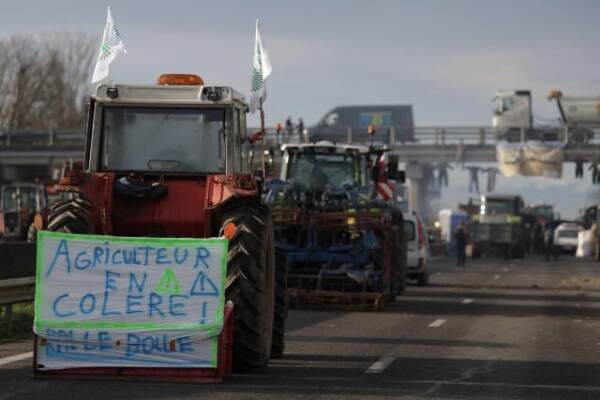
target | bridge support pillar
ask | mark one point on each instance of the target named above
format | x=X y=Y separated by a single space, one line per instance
x=415 y=173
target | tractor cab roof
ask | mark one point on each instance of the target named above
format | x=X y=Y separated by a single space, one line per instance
x=499 y=197
x=169 y=94
x=325 y=147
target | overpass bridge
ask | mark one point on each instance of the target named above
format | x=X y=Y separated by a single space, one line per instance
x=430 y=144
x=26 y=156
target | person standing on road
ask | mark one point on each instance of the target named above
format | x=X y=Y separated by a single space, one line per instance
x=549 y=250
x=461 y=245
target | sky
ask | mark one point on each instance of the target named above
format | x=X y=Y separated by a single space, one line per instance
x=446 y=58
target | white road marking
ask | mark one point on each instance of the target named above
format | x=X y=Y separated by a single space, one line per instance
x=496 y=276
x=380 y=365
x=18 y=357
x=595 y=389
x=437 y=323
x=467 y=301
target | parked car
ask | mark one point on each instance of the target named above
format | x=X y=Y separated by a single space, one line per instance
x=565 y=236
x=417 y=248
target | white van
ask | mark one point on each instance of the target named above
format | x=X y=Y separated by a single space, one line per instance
x=566 y=236
x=417 y=248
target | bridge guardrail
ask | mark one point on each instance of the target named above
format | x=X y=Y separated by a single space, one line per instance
x=429 y=135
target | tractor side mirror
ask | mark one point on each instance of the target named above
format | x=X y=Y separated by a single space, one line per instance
x=400 y=176
x=392 y=167
x=375 y=173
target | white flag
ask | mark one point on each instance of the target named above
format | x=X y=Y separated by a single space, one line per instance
x=110 y=47
x=260 y=72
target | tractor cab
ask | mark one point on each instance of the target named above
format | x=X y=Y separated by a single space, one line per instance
x=161 y=160
x=177 y=127
x=324 y=167
x=18 y=204
x=321 y=174
x=316 y=166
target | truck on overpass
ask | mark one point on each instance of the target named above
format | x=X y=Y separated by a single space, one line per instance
x=353 y=122
x=513 y=117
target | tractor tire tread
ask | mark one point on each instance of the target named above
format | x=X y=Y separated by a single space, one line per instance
x=247 y=261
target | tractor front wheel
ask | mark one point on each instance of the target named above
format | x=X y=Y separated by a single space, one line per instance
x=251 y=285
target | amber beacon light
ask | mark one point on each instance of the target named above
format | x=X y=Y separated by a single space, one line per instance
x=180 y=79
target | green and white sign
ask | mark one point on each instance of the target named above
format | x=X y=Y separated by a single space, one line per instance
x=121 y=301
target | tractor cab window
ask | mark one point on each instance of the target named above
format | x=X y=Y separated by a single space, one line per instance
x=23 y=197
x=237 y=143
x=162 y=139
x=244 y=143
x=9 y=198
x=499 y=206
x=315 y=171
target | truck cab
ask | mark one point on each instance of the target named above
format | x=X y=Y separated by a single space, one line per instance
x=512 y=110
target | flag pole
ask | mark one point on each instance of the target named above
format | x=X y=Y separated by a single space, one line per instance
x=262 y=129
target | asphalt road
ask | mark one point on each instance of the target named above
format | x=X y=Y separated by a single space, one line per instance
x=494 y=330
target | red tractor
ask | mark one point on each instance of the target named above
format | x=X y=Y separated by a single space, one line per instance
x=172 y=160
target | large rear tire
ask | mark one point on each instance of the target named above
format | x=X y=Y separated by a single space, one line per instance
x=280 y=309
x=71 y=216
x=251 y=286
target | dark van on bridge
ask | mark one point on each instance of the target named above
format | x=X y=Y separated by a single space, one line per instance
x=344 y=121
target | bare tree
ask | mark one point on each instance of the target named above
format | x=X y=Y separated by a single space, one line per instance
x=76 y=53
x=43 y=81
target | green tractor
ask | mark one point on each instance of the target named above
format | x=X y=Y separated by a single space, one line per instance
x=499 y=225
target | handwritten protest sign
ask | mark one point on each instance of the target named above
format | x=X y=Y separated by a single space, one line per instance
x=119 y=301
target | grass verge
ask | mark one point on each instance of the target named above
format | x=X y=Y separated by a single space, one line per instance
x=22 y=322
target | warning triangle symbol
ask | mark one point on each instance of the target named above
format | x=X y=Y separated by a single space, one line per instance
x=204 y=286
x=168 y=283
